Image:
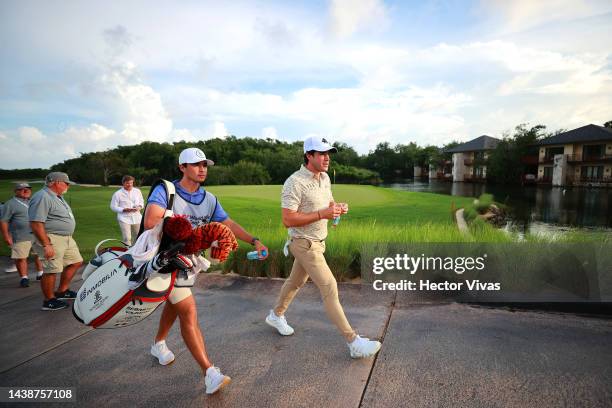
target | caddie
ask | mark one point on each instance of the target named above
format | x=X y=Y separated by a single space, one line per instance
x=199 y=207
x=53 y=224
x=17 y=233
x=307 y=204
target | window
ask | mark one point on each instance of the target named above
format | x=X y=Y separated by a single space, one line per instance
x=592 y=172
x=592 y=152
x=551 y=152
x=548 y=172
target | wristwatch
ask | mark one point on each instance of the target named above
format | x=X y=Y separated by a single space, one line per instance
x=253 y=240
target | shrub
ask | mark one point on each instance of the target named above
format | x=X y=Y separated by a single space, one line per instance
x=483 y=203
x=245 y=172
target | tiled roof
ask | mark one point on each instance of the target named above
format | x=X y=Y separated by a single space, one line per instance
x=588 y=133
x=483 y=142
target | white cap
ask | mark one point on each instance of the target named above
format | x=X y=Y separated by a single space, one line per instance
x=318 y=144
x=194 y=155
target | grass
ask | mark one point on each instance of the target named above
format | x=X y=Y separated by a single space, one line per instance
x=377 y=215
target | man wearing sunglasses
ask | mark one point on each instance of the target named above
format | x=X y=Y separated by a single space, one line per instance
x=53 y=224
x=17 y=234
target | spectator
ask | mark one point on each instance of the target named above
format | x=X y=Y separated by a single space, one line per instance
x=53 y=224
x=127 y=203
x=17 y=233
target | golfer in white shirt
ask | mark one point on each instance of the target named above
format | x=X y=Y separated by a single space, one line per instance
x=127 y=202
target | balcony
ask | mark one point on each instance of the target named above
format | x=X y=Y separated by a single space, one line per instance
x=590 y=181
x=577 y=158
x=474 y=179
x=547 y=159
x=444 y=176
x=545 y=180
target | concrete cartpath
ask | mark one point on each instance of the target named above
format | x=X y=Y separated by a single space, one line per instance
x=457 y=355
x=434 y=353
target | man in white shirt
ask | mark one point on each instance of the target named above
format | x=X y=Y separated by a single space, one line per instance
x=127 y=203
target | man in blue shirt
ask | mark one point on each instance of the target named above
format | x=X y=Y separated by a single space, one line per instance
x=200 y=207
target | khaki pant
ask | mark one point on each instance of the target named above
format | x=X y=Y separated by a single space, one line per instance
x=129 y=232
x=309 y=261
x=66 y=253
x=21 y=249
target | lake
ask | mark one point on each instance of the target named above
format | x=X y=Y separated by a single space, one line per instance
x=540 y=209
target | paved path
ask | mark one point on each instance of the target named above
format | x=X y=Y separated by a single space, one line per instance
x=434 y=353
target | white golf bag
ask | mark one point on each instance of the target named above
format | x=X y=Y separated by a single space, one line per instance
x=107 y=298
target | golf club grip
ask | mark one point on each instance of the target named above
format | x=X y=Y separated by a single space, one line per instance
x=173 y=249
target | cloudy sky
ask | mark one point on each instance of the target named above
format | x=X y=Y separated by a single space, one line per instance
x=86 y=76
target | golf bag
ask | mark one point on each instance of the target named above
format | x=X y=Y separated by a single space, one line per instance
x=106 y=298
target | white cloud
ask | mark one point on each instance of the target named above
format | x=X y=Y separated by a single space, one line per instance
x=219 y=130
x=350 y=16
x=269 y=132
x=276 y=33
x=185 y=135
x=30 y=135
x=185 y=80
x=29 y=147
x=518 y=15
x=142 y=108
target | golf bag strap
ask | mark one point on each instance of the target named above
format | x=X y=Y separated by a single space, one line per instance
x=170 y=193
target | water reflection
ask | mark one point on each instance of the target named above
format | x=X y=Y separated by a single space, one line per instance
x=532 y=208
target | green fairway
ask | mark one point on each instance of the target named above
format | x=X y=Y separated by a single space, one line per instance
x=376 y=215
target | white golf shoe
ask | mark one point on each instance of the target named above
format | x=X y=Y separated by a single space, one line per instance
x=162 y=352
x=279 y=323
x=215 y=380
x=362 y=347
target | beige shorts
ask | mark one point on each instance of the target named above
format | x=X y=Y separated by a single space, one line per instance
x=179 y=294
x=66 y=253
x=21 y=249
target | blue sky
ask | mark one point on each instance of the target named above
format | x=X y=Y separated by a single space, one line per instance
x=87 y=76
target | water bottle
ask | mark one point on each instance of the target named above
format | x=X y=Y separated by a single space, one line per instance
x=336 y=221
x=254 y=255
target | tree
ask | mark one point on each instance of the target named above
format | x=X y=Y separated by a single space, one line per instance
x=245 y=172
x=142 y=175
x=109 y=163
x=346 y=155
x=505 y=163
x=382 y=160
x=608 y=124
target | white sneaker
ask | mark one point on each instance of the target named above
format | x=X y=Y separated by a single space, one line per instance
x=279 y=323
x=214 y=380
x=162 y=352
x=363 y=347
x=11 y=269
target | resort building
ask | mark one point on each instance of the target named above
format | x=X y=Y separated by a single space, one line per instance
x=579 y=157
x=470 y=158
